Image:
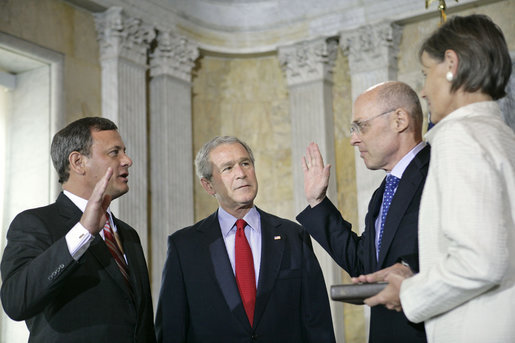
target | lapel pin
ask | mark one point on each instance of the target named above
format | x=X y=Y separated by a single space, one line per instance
x=277 y=238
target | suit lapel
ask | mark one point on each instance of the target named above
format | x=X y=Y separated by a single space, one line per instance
x=272 y=248
x=408 y=186
x=221 y=266
x=71 y=214
x=131 y=250
x=373 y=210
x=100 y=251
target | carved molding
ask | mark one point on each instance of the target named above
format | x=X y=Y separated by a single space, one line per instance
x=123 y=36
x=372 y=46
x=309 y=61
x=174 y=55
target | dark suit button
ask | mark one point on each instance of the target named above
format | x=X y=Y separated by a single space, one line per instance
x=253 y=337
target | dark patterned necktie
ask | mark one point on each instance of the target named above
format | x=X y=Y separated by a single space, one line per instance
x=389 y=191
x=245 y=275
x=114 y=249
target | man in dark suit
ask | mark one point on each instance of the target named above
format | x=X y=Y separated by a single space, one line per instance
x=232 y=280
x=387 y=130
x=71 y=270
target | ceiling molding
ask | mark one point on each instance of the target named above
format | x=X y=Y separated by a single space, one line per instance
x=243 y=27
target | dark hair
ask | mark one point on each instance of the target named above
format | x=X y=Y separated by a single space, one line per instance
x=203 y=164
x=484 y=60
x=75 y=137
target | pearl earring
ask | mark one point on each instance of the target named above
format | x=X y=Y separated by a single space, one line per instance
x=449 y=76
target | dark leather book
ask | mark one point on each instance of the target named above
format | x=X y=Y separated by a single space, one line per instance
x=356 y=293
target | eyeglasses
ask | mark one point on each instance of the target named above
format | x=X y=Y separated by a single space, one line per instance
x=358 y=126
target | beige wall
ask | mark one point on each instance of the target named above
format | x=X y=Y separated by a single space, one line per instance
x=65 y=29
x=246 y=98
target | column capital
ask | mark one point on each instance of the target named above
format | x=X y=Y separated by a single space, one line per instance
x=309 y=60
x=122 y=36
x=174 y=55
x=371 y=47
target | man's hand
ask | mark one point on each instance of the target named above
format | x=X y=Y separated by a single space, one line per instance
x=316 y=175
x=93 y=218
x=389 y=296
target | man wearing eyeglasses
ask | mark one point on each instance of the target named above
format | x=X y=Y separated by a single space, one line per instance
x=387 y=130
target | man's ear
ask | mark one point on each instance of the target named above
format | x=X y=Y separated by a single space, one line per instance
x=206 y=184
x=402 y=119
x=77 y=163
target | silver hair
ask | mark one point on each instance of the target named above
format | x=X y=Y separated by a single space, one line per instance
x=203 y=165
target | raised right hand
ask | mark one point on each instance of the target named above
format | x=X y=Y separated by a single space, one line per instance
x=316 y=175
x=93 y=218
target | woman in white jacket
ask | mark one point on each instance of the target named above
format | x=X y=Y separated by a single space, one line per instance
x=465 y=291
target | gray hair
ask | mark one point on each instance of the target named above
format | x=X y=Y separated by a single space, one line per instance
x=396 y=94
x=203 y=165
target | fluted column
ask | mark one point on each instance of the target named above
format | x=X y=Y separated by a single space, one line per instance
x=372 y=52
x=124 y=42
x=308 y=68
x=171 y=157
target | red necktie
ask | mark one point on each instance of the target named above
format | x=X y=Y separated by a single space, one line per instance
x=245 y=276
x=115 y=250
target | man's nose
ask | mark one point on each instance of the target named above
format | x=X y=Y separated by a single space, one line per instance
x=354 y=138
x=126 y=160
x=239 y=171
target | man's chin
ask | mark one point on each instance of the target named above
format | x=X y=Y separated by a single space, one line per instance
x=118 y=192
x=371 y=166
x=246 y=202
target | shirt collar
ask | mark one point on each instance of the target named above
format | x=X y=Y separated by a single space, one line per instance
x=228 y=221
x=79 y=202
x=401 y=166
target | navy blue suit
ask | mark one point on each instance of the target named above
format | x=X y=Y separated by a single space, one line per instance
x=200 y=302
x=357 y=254
x=63 y=300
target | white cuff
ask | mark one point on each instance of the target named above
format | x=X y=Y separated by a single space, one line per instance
x=78 y=240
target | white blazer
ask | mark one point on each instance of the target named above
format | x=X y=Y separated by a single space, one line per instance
x=465 y=291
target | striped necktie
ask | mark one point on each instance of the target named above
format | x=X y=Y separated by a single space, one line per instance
x=115 y=250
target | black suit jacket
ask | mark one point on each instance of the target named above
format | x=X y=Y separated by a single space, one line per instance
x=357 y=254
x=63 y=300
x=200 y=302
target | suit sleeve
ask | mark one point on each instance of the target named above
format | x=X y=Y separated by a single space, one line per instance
x=33 y=267
x=325 y=223
x=172 y=310
x=316 y=313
